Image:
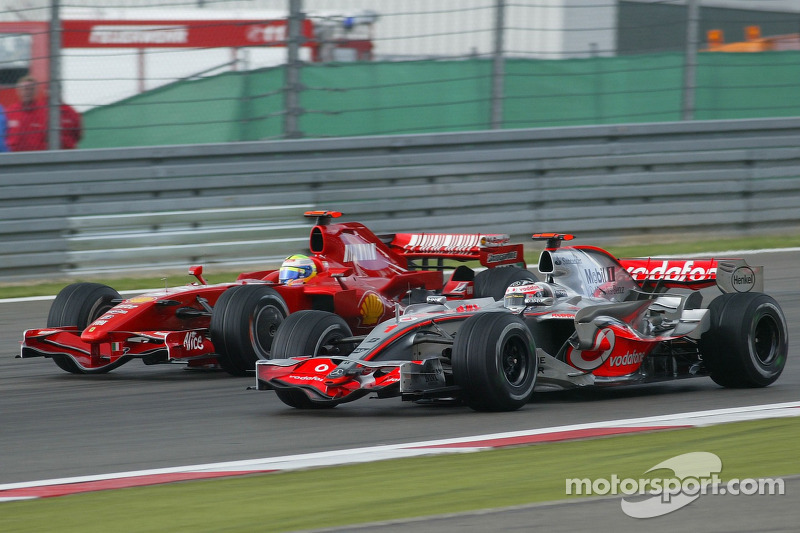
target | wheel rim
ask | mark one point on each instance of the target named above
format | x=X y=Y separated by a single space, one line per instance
x=515 y=361
x=765 y=340
x=265 y=324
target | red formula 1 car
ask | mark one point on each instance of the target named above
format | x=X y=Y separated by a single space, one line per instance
x=350 y=271
x=594 y=321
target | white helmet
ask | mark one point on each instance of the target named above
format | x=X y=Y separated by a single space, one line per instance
x=523 y=293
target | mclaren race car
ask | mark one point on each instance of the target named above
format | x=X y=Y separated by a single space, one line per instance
x=361 y=277
x=594 y=320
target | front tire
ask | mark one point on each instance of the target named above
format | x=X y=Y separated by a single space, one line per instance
x=309 y=333
x=494 y=362
x=243 y=325
x=748 y=341
x=80 y=304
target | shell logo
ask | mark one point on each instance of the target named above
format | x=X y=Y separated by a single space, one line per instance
x=371 y=309
x=142 y=299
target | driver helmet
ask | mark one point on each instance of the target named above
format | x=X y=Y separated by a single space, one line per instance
x=520 y=293
x=297 y=269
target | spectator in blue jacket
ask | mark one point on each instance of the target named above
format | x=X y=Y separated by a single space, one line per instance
x=3 y=130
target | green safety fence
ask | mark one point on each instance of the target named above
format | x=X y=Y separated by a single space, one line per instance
x=437 y=96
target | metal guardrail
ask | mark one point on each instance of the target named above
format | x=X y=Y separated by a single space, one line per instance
x=151 y=209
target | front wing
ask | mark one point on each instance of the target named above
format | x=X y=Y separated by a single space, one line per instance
x=342 y=379
x=152 y=346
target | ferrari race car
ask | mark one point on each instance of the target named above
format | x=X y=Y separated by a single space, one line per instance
x=594 y=321
x=361 y=277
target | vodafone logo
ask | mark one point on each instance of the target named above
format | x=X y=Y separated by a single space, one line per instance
x=630 y=358
x=673 y=271
x=595 y=356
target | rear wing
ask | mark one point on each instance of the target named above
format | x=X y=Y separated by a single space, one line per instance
x=491 y=249
x=730 y=275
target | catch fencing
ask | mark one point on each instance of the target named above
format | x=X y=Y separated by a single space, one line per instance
x=239 y=205
x=159 y=72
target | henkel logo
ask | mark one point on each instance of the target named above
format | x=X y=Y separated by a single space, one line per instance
x=674 y=271
x=138 y=34
x=266 y=33
x=743 y=279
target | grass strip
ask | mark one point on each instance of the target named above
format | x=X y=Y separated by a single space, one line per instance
x=393 y=489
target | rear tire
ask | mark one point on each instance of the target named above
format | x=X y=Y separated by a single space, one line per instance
x=494 y=362
x=747 y=343
x=79 y=305
x=309 y=333
x=493 y=282
x=243 y=325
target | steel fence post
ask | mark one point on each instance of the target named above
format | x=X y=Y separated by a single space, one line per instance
x=690 y=63
x=54 y=86
x=292 y=111
x=498 y=66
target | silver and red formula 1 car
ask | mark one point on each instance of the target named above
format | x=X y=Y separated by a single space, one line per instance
x=594 y=321
x=349 y=271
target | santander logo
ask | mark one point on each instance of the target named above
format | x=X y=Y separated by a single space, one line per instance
x=595 y=356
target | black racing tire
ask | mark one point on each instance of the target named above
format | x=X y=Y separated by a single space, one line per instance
x=80 y=304
x=493 y=282
x=747 y=342
x=309 y=333
x=494 y=362
x=243 y=325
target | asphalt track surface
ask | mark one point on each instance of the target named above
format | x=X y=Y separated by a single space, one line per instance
x=55 y=425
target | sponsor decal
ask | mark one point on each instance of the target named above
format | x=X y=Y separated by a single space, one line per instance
x=674 y=271
x=562 y=315
x=496 y=258
x=494 y=240
x=461 y=287
x=305 y=378
x=321 y=368
x=371 y=309
x=138 y=34
x=595 y=356
x=629 y=358
x=193 y=341
x=596 y=276
x=266 y=33
x=360 y=252
x=442 y=242
x=563 y=259
x=467 y=308
x=141 y=299
x=743 y=279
